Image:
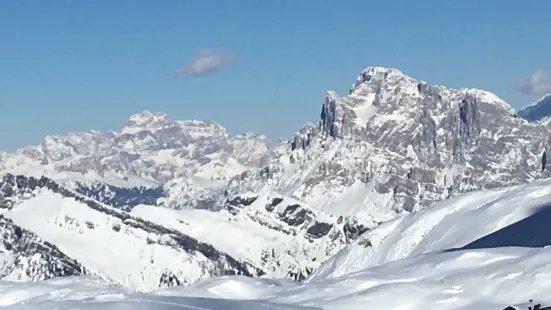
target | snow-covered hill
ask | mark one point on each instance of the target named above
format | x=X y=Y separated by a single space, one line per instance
x=507 y=217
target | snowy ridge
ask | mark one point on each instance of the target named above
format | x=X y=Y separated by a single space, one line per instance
x=81 y=228
x=279 y=249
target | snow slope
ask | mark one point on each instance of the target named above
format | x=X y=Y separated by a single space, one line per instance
x=512 y=216
x=466 y=280
x=105 y=241
x=161 y=246
x=89 y=293
x=471 y=279
x=279 y=235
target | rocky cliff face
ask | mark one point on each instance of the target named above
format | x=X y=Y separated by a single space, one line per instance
x=397 y=144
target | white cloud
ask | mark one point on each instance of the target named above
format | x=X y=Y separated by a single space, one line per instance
x=206 y=61
x=534 y=84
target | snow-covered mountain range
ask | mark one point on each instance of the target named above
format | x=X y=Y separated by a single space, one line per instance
x=152 y=154
x=397 y=144
x=188 y=200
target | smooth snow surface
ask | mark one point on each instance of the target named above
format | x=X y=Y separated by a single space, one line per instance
x=469 y=279
x=87 y=293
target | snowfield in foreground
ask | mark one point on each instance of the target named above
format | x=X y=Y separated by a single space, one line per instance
x=483 y=250
x=88 y=293
x=468 y=279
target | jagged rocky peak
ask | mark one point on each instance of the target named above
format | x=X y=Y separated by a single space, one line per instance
x=386 y=100
x=14 y=188
x=397 y=143
x=348 y=116
x=303 y=138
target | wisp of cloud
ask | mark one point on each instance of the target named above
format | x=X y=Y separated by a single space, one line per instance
x=534 y=84
x=206 y=61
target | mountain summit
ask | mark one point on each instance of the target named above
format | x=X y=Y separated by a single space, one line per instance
x=397 y=144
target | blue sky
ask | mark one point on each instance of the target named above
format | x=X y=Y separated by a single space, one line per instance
x=77 y=65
